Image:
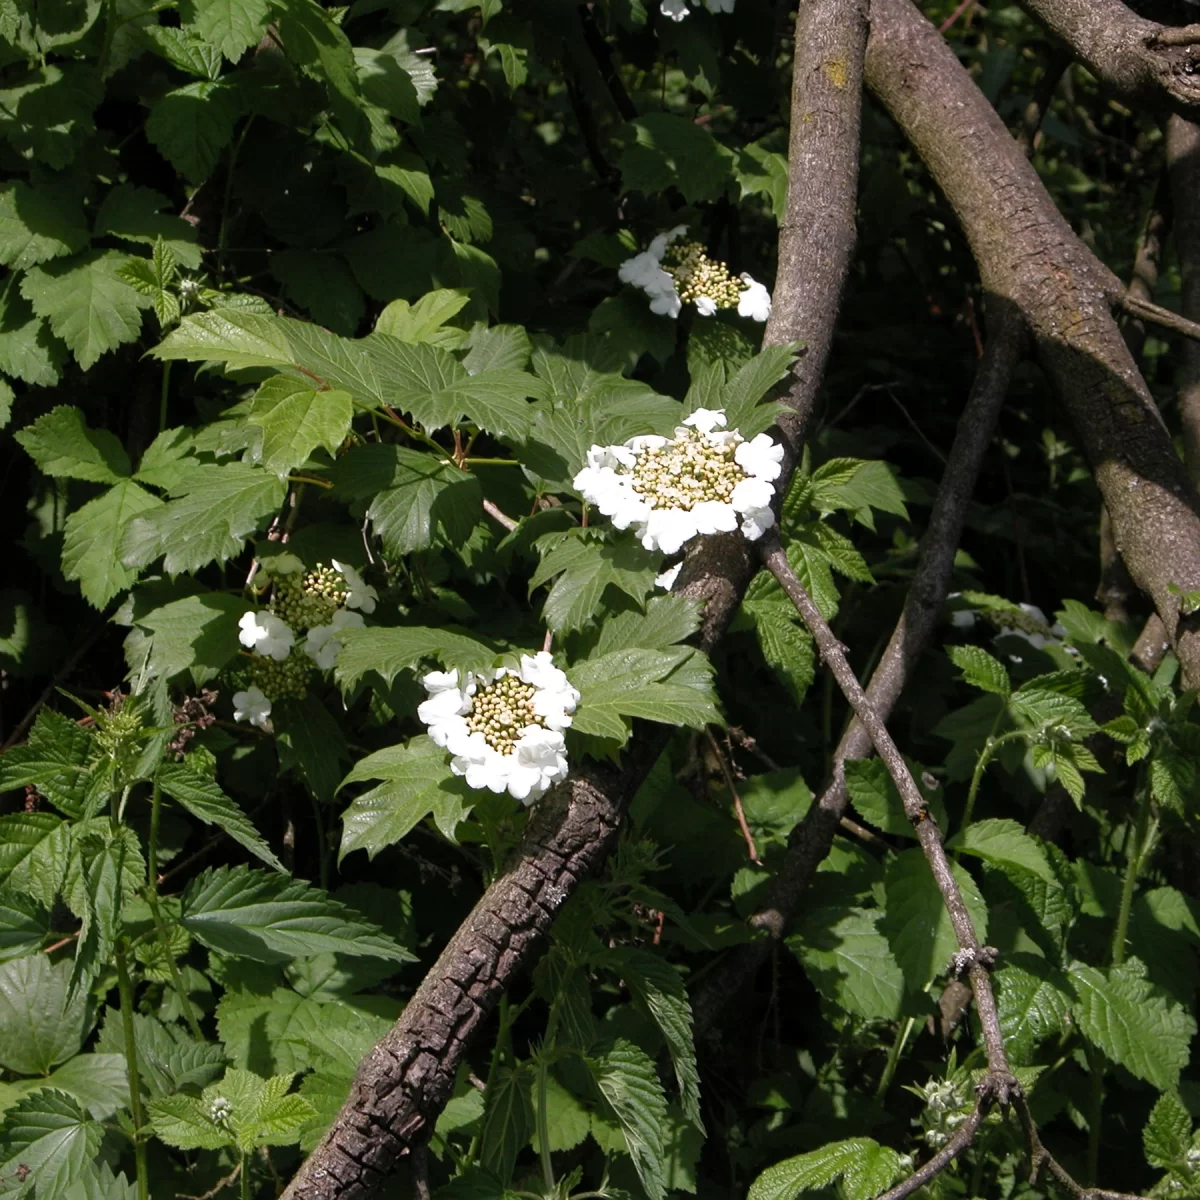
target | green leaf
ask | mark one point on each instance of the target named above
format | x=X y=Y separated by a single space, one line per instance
x=184 y=50
x=295 y=419
x=50 y=1138
x=232 y=25
x=872 y=485
x=666 y=621
x=169 y=1058
x=42 y=1020
x=628 y=1081
x=203 y=798
x=850 y=962
x=392 y=650
x=786 y=645
x=134 y=214
x=915 y=921
x=1050 y=711
x=52 y=760
x=1132 y=1023
x=323 y=285
x=980 y=669
x=763 y=172
x=271 y=918
x=660 y=988
x=1004 y=843
x=38 y=224
x=425 y=320
x=584 y=569
x=63 y=446
x=311 y=741
x=507 y=1120
x=33 y=852
x=874 y=795
x=191 y=125
x=567 y=1121
x=183 y=1122
x=28 y=350
x=500 y=348
x=672 y=151
x=430 y=502
x=750 y=383
x=867 y=1169
x=213 y=510
x=87 y=302
x=1167 y=1135
x=1034 y=999
x=93 y=538
x=197 y=632
x=24 y=923
x=416 y=781
x=46 y=114
x=97 y=1081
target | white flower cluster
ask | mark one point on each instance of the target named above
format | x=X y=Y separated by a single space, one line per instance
x=670 y=278
x=678 y=9
x=502 y=727
x=270 y=636
x=669 y=490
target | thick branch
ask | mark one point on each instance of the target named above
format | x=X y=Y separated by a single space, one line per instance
x=1028 y=254
x=1141 y=59
x=922 y=609
x=1183 y=167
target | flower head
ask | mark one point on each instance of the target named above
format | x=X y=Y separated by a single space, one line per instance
x=267 y=634
x=358 y=593
x=673 y=272
x=253 y=706
x=503 y=727
x=705 y=479
x=322 y=644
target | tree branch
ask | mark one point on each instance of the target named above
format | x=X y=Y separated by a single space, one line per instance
x=1143 y=60
x=1183 y=169
x=1028 y=254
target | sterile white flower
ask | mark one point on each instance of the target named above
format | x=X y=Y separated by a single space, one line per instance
x=706 y=306
x=645 y=270
x=755 y=301
x=251 y=705
x=358 y=593
x=675 y=9
x=322 y=644
x=267 y=634
x=704 y=480
x=666 y=580
x=503 y=726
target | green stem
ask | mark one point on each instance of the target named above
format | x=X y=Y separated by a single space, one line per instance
x=506 y=1018
x=1096 y=1113
x=162 y=400
x=543 y=1115
x=125 y=989
x=164 y=937
x=990 y=747
x=1143 y=841
x=490 y=462
x=893 y=1059
x=244 y=1180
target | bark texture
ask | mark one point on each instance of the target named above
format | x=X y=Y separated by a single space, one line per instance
x=1183 y=165
x=1029 y=256
x=1143 y=60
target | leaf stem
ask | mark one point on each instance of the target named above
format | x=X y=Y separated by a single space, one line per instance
x=125 y=989
x=1144 y=838
x=893 y=1058
x=990 y=747
x=323 y=483
x=162 y=400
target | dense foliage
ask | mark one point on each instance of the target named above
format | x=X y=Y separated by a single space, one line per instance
x=314 y=314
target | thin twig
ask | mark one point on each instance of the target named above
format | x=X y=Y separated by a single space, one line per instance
x=751 y=848
x=498 y=515
x=958 y=12
x=1183 y=35
x=963 y=1136
x=219 y=1186
x=1158 y=315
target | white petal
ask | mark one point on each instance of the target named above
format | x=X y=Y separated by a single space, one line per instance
x=706 y=419
x=760 y=457
x=667 y=579
x=755 y=301
x=756 y=522
x=667 y=305
x=706 y=306
x=668 y=530
x=252 y=705
x=752 y=493
x=714 y=516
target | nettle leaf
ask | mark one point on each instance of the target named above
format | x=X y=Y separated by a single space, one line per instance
x=865 y=1167
x=53 y=760
x=38 y=224
x=169 y=1058
x=271 y=918
x=34 y=848
x=93 y=538
x=786 y=645
x=184 y=50
x=193 y=124
x=980 y=669
x=1131 y=1022
x=296 y=418
x=850 y=962
x=231 y=25
x=1004 y=843
x=97 y=1081
x=507 y=1119
x=87 y=302
x=416 y=782
x=673 y=151
x=50 y=1139
x=1047 y=709
x=1167 y=1135
x=184 y=1122
x=1034 y=999
x=203 y=798
x=392 y=650
x=660 y=988
x=63 y=446
x=915 y=921
x=43 y=1021
x=213 y=510
x=585 y=567
x=24 y=923
x=629 y=1083
x=670 y=686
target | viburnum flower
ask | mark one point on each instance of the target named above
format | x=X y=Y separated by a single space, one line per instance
x=669 y=490
x=673 y=273
x=358 y=593
x=678 y=9
x=253 y=706
x=322 y=644
x=267 y=634
x=503 y=727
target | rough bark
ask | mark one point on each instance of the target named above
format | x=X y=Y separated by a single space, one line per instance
x=1151 y=63
x=1183 y=166
x=812 y=839
x=1029 y=256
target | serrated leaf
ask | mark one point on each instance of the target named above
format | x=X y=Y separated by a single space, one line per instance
x=46 y=113
x=93 y=537
x=97 y=1081
x=191 y=125
x=1004 y=843
x=867 y=1168
x=874 y=795
x=38 y=224
x=872 y=485
x=1136 y=1026
x=760 y=171
x=184 y=1122
x=392 y=650
x=672 y=151
x=915 y=920
x=661 y=989
x=666 y=621
x=213 y=510
x=416 y=781
x=786 y=645
x=203 y=798
x=271 y=918
x=232 y=25
x=169 y=1058
x=34 y=848
x=63 y=446
x=310 y=741
x=502 y=348
x=182 y=49
x=1034 y=1000
x=86 y=302
x=431 y=502
x=628 y=1081
x=198 y=632
x=850 y=962
x=53 y=760
x=584 y=570
x=750 y=383
x=49 y=1139
x=567 y=1121
x=1047 y=709
x=42 y=1020
x=28 y=350
x=295 y=419
x=507 y=1120
x=1167 y=1135
x=980 y=669
x=134 y=214
x=24 y=923
x=425 y=320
